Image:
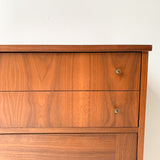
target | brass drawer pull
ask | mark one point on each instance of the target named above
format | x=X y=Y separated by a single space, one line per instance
x=118 y=71
x=116 y=110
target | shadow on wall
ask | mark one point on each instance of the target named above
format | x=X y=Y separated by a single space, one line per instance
x=152 y=126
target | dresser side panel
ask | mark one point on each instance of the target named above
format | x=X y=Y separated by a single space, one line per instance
x=144 y=70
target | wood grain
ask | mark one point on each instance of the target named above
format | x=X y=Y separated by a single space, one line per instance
x=73 y=48
x=128 y=147
x=57 y=102
x=69 y=71
x=67 y=130
x=144 y=70
x=68 y=146
x=68 y=109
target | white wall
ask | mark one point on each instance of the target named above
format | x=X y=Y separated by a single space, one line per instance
x=92 y=22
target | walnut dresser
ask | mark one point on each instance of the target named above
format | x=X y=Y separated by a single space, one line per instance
x=73 y=102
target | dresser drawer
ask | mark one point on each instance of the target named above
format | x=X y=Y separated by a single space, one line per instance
x=68 y=147
x=69 y=71
x=69 y=109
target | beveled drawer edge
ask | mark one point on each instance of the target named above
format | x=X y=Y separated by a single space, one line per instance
x=66 y=130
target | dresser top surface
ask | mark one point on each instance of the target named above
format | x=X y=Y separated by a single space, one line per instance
x=74 y=48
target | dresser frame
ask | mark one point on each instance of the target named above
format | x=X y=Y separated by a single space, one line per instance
x=143 y=49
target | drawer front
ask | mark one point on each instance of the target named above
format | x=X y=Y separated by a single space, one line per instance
x=69 y=71
x=69 y=109
x=68 y=147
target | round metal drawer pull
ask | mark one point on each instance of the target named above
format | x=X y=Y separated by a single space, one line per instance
x=116 y=110
x=118 y=71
